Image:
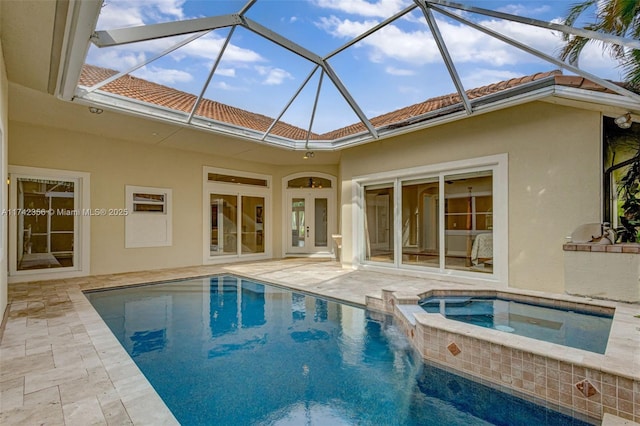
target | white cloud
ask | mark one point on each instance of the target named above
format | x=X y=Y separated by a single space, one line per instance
x=208 y=47
x=116 y=59
x=399 y=71
x=465 y=44
x=483 y=76
x=595 y=61
x=227 y=87
x=205 y=50
x=124 y=13
x=226 y=72
x=273 y=76
x=380 y=9
x=127 y=13
x=163 y=75
x=389 y=42
x=168 y=7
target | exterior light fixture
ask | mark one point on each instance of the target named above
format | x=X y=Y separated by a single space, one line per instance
x=624 y=121
x=308 y=154
x=94 y=110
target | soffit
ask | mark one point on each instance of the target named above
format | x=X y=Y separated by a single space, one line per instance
x=27 y=32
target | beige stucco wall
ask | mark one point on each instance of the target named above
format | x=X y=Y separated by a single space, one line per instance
x=554 y=183
x=554 y=177
x=113 y=164
x=603 y=275
x=4 y=101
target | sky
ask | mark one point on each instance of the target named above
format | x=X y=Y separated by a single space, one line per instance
x=397 y=66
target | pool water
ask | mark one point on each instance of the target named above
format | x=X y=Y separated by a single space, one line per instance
x=582 y=330
x=228 y=351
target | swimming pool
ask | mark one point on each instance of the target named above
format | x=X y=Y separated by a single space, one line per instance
x=574 y=328
x=225 y=350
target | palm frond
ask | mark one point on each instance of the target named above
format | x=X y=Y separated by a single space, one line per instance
x=617 y=17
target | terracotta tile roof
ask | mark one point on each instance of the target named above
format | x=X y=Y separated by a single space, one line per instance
x=435 y=104
x=156 y=94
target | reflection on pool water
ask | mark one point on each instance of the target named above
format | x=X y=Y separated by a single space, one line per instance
x=582 y=330
x=224 y=350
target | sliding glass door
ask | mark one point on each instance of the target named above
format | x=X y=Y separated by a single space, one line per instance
x=379 y=223
x=469 y=221
x=420 y=222
x=443 y=221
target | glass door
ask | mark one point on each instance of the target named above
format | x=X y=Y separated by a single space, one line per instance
x=237 y=224
x=308 y=223
x=46 y=216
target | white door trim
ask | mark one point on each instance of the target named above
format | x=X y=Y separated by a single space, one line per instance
x=309 y=193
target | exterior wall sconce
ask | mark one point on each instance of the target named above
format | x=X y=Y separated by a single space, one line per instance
x=308 y=154
x=624 y=121
x=94 y=110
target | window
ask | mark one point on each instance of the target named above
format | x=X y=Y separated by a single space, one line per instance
x=149 y=203
x=305 y=182
x=439 y=218
x=237 y=214
x=148 y=217
x=49 y=222
x=237 y=179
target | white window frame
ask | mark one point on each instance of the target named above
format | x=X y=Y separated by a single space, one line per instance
x=498 y=164
x=82 y=225
x=161 y=220
x=239 y=190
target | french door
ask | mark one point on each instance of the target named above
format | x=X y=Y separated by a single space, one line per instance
x=310 y=221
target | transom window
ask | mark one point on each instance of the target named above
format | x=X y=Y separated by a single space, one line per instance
x=241 y=180
x=306 y=182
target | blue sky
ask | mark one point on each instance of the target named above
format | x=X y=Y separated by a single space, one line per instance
x=395 y=67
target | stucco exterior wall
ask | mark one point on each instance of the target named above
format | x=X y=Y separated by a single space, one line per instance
x=612 y=275
x=4 y=113
x=115 y=163
x=554 y=178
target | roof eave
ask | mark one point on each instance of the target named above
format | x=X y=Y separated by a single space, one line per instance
x=126 y=105
x=601 y=98
x=518 y=95
x=541 y=89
